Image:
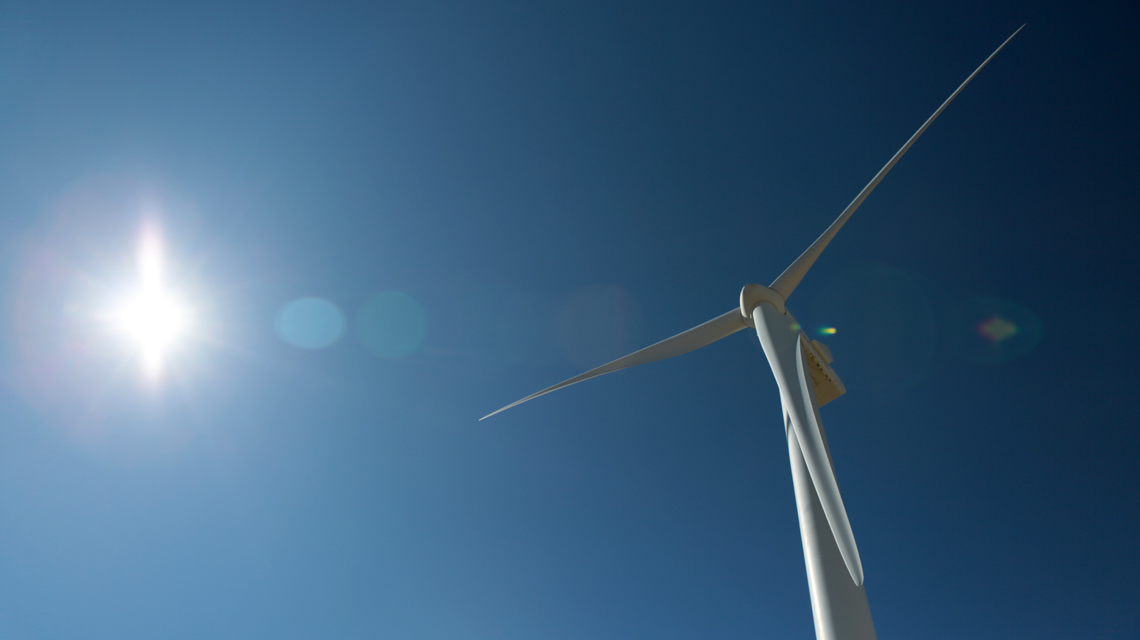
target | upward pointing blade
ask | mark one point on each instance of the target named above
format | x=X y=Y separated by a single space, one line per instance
x=684 y=342
x=790 y=278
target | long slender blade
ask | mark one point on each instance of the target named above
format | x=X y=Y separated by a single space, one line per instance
x=780 y=336
x=790 y=278
x=684 y=342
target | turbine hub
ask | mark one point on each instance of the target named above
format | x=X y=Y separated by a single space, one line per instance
x=754 y=294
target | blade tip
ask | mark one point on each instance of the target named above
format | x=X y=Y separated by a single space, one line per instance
x=493 y=413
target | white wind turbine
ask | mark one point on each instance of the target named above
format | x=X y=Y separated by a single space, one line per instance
x=806 y=381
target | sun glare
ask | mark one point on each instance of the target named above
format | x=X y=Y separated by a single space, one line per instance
x=153 y=319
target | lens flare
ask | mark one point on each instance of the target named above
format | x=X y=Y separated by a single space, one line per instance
x=996 y=329
x=391 y=324
x=309 y=323
x=827 y=331
x=152 y=319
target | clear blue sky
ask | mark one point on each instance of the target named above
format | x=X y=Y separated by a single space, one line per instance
x=498 y=195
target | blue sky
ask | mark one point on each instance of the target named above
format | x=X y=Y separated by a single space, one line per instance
x=488 y=198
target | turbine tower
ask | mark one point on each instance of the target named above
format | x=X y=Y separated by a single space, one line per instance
x=803 y=372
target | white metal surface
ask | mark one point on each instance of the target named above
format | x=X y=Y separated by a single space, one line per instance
x=838 y=606
x=783 y=344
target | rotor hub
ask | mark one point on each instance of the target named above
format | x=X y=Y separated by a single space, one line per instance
x=754 y=294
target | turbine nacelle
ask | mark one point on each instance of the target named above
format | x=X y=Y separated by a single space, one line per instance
x=826 y=382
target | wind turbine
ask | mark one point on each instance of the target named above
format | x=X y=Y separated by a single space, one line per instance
x=803 y=372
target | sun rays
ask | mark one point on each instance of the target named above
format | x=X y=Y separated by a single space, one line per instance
x=153 y=319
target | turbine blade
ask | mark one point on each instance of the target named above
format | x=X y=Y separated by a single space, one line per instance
x=780 y=336
x=790 y=278
x=684 y=342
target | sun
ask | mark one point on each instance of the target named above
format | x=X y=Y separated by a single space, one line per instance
x=153 y=319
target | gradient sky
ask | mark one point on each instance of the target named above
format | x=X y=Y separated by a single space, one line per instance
x=486 y=198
